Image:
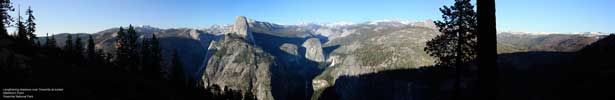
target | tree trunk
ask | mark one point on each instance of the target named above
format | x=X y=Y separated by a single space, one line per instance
x=458 y=67
x=487 y=49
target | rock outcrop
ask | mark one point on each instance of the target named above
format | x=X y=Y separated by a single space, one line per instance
x=238 y=65
x=290 y=49
x=235 y=62
x=313 y=50
x=241 y=27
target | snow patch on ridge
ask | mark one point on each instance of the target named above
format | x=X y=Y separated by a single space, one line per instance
x=376 y=22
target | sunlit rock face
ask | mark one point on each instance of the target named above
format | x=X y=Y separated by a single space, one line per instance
x=313 y=50
x=290 y=49
x=241 y=26
x=238 y=65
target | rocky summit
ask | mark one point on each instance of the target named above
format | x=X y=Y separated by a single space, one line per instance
x=313 y=50
x=241 y=26
x=239 y=65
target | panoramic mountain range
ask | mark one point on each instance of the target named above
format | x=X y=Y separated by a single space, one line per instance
x=310 y=60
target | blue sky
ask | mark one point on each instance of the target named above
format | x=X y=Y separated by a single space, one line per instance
x=59 y=16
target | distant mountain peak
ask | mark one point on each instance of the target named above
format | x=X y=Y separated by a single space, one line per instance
x=241 y=26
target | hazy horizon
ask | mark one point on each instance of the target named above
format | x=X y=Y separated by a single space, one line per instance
x=78 y=16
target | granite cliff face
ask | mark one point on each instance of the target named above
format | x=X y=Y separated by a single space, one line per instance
x=241 y=27
x=313 y=50
x=236 y=63
x=290 y=48
x=240 y=66
x=263 y=62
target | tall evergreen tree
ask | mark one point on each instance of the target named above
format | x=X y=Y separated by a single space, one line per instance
x=68 y=51
x=91 y=50
x=122 y=51
x=21 y=29
x=78 y=47
x=5 y=18
x=68 y=44
x=156 y=56
x=132 y=38
x=133 y=54
x=457 y=45
x=30 y=25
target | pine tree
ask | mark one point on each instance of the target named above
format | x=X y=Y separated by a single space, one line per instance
x=458 y=41
x=132 y=38
x=68 y=44
x=21 y=29
x=30 y=25
x=156 y=56
x=91 y=50
x=121 y=52
x=68 y=51
x=457 y=45
x=133 y=54
x=78 y=47
x=5 y=18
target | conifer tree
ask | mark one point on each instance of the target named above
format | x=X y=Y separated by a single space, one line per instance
x=30 y=25
x=131 y=37
x=132 y=50
x=121 y=52
x=68 y=51
x=457 y=46
x=91 y=50
x=78 y=47
x=68 y=44
x=21 y=29
x=156 y=56
x=5 y=18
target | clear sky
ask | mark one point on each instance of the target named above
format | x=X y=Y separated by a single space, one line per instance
x=59 y=16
